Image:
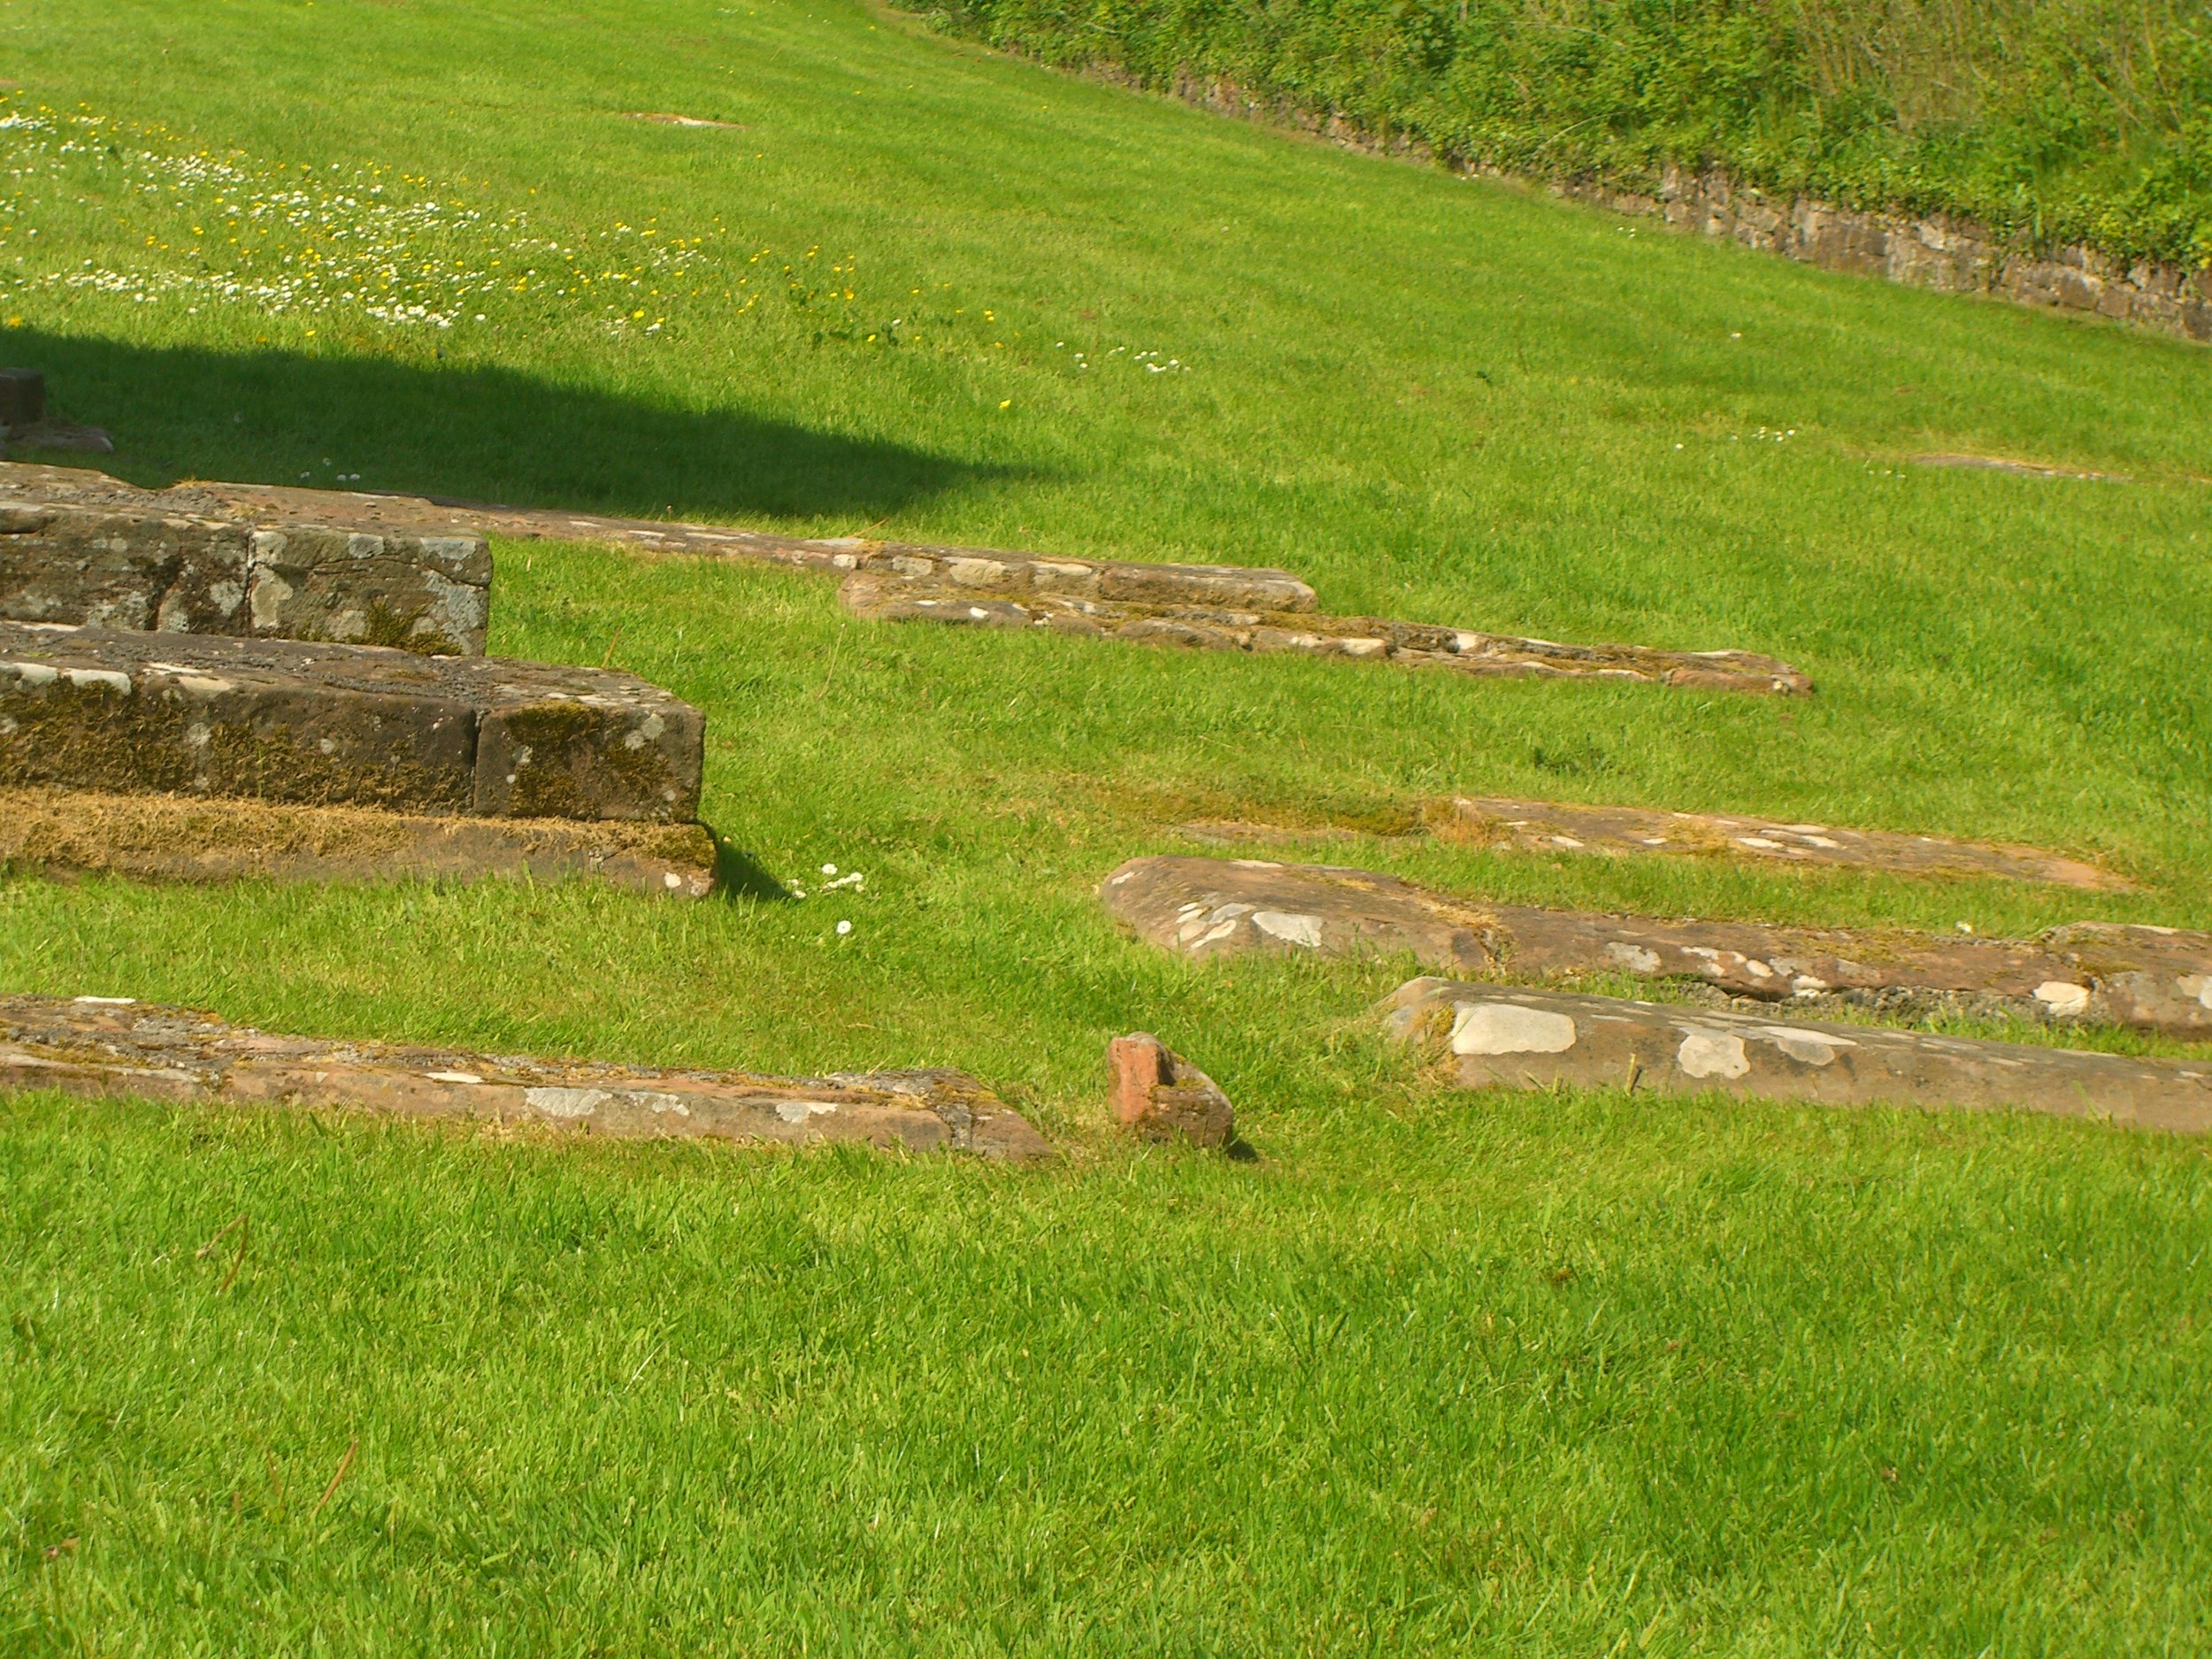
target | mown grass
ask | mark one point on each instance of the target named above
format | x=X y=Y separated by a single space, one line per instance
x=1404 y=1383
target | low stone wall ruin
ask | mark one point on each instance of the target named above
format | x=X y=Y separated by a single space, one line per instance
x=361 y=725
x=136 y=561
x=1950 y=255
x=116 y=1046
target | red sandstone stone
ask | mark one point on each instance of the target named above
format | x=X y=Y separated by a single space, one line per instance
x=1162 y=1096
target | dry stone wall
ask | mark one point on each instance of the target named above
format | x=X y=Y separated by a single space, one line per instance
x=1950 y=255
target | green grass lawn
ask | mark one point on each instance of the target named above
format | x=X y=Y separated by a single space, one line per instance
x=1533 y=1374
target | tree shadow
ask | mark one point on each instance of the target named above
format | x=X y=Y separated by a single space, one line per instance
x=473 y=431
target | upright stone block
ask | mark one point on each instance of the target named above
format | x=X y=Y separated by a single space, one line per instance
x=22 y=397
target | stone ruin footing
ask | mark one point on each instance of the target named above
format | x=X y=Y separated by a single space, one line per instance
x=125 y=565
x=982 y=601
x=1207 y=607
x=1555 y=826
x=1494 y=1036
x=2152 y=979
x=99 y=1047
x=318 y=725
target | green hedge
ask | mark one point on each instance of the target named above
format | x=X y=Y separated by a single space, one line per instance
x=2053 y=121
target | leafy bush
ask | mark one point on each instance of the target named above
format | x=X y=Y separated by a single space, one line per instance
x=2049 y=121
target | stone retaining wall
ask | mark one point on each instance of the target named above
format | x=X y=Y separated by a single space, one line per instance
x=1951 y=256
x=1937 y=251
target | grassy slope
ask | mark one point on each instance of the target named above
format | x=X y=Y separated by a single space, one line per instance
x=1411 y=1381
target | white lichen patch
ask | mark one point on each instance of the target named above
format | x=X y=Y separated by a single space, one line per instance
x=1808 y=1047
x=1291 y=929
x=1711 y=1053
x=1635 y=958
x=1493 y=1028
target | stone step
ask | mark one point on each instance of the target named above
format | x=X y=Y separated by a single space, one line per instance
x=321 y=725
x=1498 y=1037
x=2151 y=978
x=189 y=838
x=103 y=1046
x=133 y=563
x=944 y=595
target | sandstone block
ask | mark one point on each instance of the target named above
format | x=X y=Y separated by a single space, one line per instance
x=1495 y=1037
x=341 y=724
x=1162 y=1096
x=98 y=1046
x=2151 y=978
x=127 y=566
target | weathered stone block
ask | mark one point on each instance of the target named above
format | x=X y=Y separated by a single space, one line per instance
x=1162 y=1096
x=129 y=567
x=1497 y=1037
x=99 y=1045
x=341 y=724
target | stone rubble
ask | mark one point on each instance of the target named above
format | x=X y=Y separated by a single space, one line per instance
x=180 y=838
x=1495 y=1037
x=104 y=1047
x=2150 y=979
x=1158 y=1095
x=286 y=721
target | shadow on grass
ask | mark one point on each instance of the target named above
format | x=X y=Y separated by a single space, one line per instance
x=739 y=875
x=471 y=431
